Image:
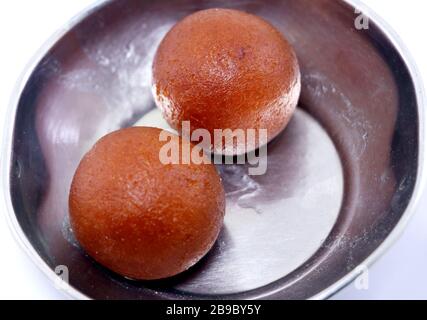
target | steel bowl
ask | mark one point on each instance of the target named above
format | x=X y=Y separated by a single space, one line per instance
x=342 y=179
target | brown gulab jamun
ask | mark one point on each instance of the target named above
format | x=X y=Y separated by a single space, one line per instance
x=226 y=69
x=139 y=217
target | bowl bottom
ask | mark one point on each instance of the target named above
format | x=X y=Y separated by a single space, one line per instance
x=276 y=221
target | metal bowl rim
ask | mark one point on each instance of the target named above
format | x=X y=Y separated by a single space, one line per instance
x=71 y=292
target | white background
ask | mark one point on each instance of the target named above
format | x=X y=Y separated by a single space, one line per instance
x=26 y=24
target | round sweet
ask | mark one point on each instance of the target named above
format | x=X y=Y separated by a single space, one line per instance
x=226 y=69
x=139 y=217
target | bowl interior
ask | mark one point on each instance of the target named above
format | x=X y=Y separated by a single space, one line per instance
x=339 y=178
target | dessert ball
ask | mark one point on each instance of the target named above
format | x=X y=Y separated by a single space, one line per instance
x=226 y=69
x=139 y=217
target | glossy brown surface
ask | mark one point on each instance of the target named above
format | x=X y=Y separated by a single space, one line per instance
x=222 y=68
x=139 y=217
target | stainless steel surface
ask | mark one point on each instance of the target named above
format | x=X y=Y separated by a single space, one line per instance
x=274 y=222
x=341 y=182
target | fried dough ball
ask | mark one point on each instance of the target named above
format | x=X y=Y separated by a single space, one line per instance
x=226 y=69
x=139 y=217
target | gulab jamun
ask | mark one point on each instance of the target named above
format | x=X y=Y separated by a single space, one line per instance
x=226 y=69
x=139 y=217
